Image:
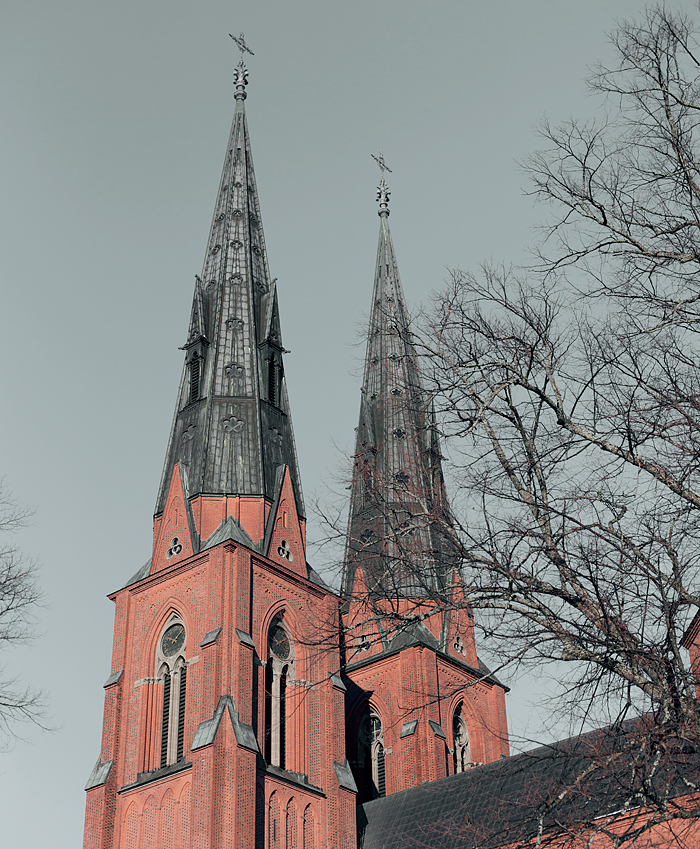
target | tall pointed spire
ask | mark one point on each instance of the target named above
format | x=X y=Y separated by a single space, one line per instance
x=232 y=428
x=398 y=504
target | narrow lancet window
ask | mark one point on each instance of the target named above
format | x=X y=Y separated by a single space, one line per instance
x=268 y=712
x=278 y=673
x=273 y=382
x=170 y=659
x=283 y=717
x=165 y=727
x=462 y=757
x=371 y=757
x=181 y=713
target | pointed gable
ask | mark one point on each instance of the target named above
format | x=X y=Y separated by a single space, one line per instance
x=197 y=329
x=284 y=542
x=271 y=327
x=174 y=534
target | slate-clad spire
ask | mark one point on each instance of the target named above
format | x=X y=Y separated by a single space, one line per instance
x=398 y=500
x=232 y=427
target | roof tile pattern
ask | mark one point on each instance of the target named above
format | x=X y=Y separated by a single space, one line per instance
x=567 y=787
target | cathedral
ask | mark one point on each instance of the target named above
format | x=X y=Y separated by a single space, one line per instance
x=250 y=705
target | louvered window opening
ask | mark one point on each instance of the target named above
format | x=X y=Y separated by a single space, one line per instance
x=272 y=393
x=195 y=368
x=181 y=714
x=381 y=772
x=166 y=721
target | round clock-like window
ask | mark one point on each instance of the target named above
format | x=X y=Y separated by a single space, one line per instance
x=279 y=641
x=173 y=639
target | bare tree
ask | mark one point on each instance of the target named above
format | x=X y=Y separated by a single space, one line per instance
x=570 y=398
x=19 y=597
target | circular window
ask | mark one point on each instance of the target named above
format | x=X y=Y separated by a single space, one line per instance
x=279 y=641
x=173 y=639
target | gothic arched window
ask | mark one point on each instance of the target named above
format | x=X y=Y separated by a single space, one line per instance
x=460 y=740
x=278 y=672
x=172 y=674
x=370 y=756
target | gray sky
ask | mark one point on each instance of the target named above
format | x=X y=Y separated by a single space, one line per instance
x=114 y=124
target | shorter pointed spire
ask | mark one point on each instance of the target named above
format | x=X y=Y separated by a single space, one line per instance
x=398 y=542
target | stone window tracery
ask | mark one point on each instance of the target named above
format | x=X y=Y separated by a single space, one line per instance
x=172 y=675
x=460 y=737
x=279 y=672
x=370 y=755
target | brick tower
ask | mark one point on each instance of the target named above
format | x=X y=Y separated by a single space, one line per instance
x=248 y=705
x=420 y=705
x=224 y=718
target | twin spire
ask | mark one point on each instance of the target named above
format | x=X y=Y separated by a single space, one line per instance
x=397 y=545
x=232 y=428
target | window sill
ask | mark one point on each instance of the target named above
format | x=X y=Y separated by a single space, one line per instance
x=164 y=772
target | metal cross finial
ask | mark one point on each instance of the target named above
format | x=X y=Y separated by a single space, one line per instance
x=240 y=75
x=383 y=190
x=242 y=46
x=381 y=163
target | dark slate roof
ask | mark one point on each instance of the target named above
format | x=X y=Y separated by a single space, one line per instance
x=315 y=578
x=499 y=803
x=413 y=634
x=233 y=438
x=229 y=529
x=398 y=491
x=417 y=634
x=142 y=573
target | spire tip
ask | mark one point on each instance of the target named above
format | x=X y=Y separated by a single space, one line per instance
x=382 y=190
x=240 y=75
